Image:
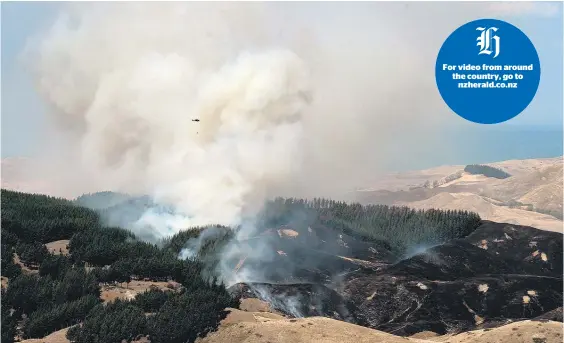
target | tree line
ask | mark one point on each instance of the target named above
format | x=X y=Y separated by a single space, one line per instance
x=481 y=169
x=398 y=226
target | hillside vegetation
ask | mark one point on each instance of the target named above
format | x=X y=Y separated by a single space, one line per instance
x=398 y=226
x=64 y=292
x=486 y=171
x=57 y=291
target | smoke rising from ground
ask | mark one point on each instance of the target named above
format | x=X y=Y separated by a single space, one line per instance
x=293 y=100
x=131 y=92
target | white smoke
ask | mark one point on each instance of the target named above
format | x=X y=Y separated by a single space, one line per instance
x=134 y=90
x=288 y=303
x=282 y=110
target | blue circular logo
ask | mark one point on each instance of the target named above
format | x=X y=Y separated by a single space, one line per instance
x=487 y=71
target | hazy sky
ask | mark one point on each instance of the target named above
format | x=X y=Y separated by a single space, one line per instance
x=23 y=116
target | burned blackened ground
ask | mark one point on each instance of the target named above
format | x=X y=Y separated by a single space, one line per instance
x=318 y=255
x=450 y=261
x=554 y=315
x=300 y=300
x=493 y=275
x=528 y=250
x=405 y=306
x=499 y=273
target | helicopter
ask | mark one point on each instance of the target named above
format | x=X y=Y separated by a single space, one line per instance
x=197 y=120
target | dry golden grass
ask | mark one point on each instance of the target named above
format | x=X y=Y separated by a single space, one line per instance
x=4 y=282
x=129 y=291
x=57 y=247
x=255 y=305
x=287 y=233
x=488 y=209
x=519 y=332
x=255 y=327
x=55 y=337
x=535 y=183
x=25 y=269
x=261 y=327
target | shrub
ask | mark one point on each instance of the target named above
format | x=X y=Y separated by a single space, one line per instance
x=488 y=171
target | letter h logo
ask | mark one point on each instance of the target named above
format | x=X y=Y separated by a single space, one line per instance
x=488 y=41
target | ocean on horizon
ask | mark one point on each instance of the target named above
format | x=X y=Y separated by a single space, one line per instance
x=486 y=145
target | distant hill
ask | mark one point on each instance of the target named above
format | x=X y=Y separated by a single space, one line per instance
x=526 y=192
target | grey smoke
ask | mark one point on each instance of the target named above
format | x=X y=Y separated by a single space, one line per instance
x=288 y=303
x=192 y=248
x=419 y=249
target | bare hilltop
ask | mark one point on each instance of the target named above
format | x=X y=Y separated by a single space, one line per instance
x=529 y=194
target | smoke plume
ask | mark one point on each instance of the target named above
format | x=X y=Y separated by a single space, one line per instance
x=286 y=105
x=304 y=99
x=178 y=103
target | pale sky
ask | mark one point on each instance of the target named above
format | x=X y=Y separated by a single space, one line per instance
x=23 y=115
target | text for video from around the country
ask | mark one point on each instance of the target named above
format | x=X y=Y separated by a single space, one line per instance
x=468 y=74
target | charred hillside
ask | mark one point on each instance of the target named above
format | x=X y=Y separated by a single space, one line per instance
x=499 y=273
